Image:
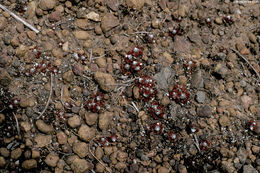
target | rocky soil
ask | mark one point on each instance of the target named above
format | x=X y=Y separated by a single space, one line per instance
x=74 y=97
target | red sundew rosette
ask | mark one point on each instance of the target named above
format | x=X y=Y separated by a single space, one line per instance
x=95 y=103
x=190 y=66
x=204 y=145
x=177 y=31
x=147 y=93
x=172 y=136
x=252 y=125
x=180 y=94
x=149 y=38
x=157 y=128
x=228 y=20
x=112 y=138
x=136 y=52
x=145 y=81
x=157 y=111
x=103 y=141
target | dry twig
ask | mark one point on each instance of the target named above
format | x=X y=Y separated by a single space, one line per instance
x=134 y=105
x=17 y=124
x=49 y=99
x=90 y=151
x=19 y=19
x=241 y=56
x=196 y=142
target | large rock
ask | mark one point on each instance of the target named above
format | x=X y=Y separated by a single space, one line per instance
x=80 y=165
x=74 y=121
x=93 y=16
x=43 y=127
x=29 y=164
x=47 y=4
x=5 y=78
x=81 y=149
x=108 y=22
x=52 y=159
x=3 y=23
x=164 y=78
x=105 y=81
x=43 y=140
x=31 y=9
x=91 y=118
x=104 y=120
x=135 y=4
x=81 y=35
x=86 y=133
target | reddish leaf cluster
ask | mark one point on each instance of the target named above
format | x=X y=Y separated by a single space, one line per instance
x=204 y=145
x=14 y=103
x=179 y=94
x=146 y=87
x=130 y=62
x=190 y=66
x=252 y=125
x=95 y=103
x=193 y=128
x=60 y=115
x=224 y=50
x=36 y=53
x=227 y=20
x=157 y=110
x=172 y=136
x=149 y=38
x=42 y=67
x=157 y=128
x=81 y=58
x=106 y=141
x=208 y=21
x=177 y=31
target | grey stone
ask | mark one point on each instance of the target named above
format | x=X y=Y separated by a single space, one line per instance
x=249 y=169
x=164 y=78
x=200 y=96
x=196 y=80
x=242 y=155
x=204 y=111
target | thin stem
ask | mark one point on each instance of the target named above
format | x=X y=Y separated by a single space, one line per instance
x=89 y=148
x=241 y=56
x=17 y=124
x=19 y=19
x=49 y=99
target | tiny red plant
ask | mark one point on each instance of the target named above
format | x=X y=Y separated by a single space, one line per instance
x=179 y=94
x=14 y=103
x=150 y=38
x=136 y=52
x=176 y=31
x=130 y=63
x=104 y=141
x=157 y=111
x=95 y=103
x=172 y=136
x=204 y=145
x=228 y=20
x=36 y=52
x=193 y=128
x=146 y=87
x=208 y=21
x=157 y=128
x=190 y=66
x=252 y=125
x=224 y=50
x=112 y=138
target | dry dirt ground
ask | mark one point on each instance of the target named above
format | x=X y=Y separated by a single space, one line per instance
x=130 y=86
